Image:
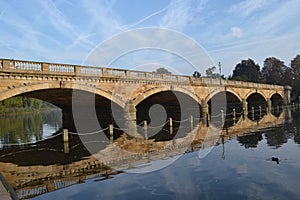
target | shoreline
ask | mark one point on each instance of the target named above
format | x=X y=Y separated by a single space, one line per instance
x=14 y=112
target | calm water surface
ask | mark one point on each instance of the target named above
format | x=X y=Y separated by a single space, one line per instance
x=240 y=168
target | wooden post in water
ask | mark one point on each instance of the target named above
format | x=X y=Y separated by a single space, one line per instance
x=234 y=115
x=269 y=106
x=192 y=122
x=66 y=140
x=65 y=135
x=111 y=133
x=252 y=111
x=66 y=147
x=222 y=117
x=145 y=129
x=259 y=111
x=245 y=107
x=171 y=125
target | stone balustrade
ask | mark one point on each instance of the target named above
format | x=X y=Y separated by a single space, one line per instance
x=15 y=66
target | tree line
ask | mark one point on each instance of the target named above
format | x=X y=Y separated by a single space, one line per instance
x=21 y=104
x=274 y=71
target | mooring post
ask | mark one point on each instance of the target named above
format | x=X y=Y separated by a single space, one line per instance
x=277 y=108
x=66 y=140
x=65 y=135
x=259 y=111
x=234 y=115
x=111 y=133
x=66 y=147
x=245 y=107
x=222 y=116
x=192 y=122
x=252 y=111
x=145 y=129
x=171 y=125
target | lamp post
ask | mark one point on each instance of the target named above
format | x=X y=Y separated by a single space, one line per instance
x=220 y=71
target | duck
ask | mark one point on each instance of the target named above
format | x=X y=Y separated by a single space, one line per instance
x=275 y=159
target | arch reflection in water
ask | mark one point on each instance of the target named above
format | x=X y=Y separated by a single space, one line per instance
x=44 y=167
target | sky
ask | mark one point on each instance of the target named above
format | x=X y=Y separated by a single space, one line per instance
x=65 y=31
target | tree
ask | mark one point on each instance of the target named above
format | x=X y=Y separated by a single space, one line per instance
x=276 y=72
x=296 y=90
x=162 y=71
x=210 y=72
x=246 y=70
x=196 y=74
x=295 y=65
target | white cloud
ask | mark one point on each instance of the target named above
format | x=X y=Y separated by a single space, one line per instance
x=181 y=13
x=248 y=7
x=236 y=32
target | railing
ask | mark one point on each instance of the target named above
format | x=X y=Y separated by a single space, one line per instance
x=26 y=66
x=138 y=74
x=10 y=66
x=61 y=68
x=27 y=193
x=116 y=72
x=91 y=71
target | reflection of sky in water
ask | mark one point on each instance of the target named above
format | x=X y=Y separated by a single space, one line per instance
x=48 y=130
x=245 y=173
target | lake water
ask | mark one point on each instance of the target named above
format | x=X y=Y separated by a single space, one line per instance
x=237 y=165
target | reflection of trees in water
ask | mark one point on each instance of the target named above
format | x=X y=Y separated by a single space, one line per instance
x=53 y=118
x=250 y=141
x=297 y=137
x=24 y=128
x=276 y=137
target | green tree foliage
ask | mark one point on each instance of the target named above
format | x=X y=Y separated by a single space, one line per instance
x=210 y=72
x=296 y=90
x=295 y=65
x=276 y=72
x=22 y=103
x=162 y=71
x=246 y=70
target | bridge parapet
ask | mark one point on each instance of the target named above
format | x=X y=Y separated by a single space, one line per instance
x=32 y=67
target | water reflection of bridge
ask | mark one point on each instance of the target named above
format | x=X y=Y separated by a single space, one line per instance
x=32 y=179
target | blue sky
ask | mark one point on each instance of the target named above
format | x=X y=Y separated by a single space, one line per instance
x=67 y=31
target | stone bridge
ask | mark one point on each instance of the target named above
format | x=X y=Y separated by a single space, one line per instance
x=68 y=86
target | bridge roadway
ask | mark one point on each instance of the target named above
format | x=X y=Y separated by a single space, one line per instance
x=123 y=154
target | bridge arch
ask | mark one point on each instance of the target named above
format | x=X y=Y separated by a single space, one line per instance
x=141 y=94
x=276 y=99
x=219 y=90
x=256 y=99
x=256 y=92
x=225 y=100
x=159 y=104
x=25 y=89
